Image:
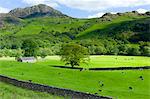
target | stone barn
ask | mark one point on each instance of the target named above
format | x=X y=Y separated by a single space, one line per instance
x=27 y=59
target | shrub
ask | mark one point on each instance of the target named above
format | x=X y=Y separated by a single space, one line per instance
x=134 y=51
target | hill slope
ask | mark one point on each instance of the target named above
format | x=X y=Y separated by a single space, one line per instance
x=36 y=11
x=50 y=27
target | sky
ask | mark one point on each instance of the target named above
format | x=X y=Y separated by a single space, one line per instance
x=81 y=8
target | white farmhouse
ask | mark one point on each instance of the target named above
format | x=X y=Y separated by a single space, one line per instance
x=27 y=59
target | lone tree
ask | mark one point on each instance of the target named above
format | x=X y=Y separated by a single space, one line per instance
x=30 y=48
x=74 y=54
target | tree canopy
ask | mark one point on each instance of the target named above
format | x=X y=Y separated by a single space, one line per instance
x=30 y=48
x=74 y=54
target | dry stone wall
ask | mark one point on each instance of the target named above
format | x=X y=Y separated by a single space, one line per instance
x=52 y=90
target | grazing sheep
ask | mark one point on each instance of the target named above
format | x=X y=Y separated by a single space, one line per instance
x=102 y=85
x=130 y=88
x=141 y=77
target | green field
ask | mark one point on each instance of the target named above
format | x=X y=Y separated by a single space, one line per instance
x=96 y=61
x=105 y=61
x=12 y=92
x=115 y=83
x=125 y=33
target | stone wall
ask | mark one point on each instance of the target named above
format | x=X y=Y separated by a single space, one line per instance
x=122 y=68
x=52 y=90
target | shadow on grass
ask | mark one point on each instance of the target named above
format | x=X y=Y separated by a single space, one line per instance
x=122 y=68
x=68 y=67
x=103 y=69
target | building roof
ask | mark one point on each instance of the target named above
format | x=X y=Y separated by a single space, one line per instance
x=27 y=58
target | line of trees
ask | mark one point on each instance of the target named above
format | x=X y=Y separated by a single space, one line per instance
x=31 y=48
x=108 y=48
x=120 y=50
x=74 y=54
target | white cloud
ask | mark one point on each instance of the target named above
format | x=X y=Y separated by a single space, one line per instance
x=97 y=5
x=141 y=10
x=96 y=15
x=4 y=10
x=51 y=3
x=90 y=5
x=99 y=15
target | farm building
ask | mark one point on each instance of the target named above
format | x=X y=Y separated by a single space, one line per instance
x=27 y=59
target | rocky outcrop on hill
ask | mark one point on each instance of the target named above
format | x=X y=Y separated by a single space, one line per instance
x=36 y=11
x=2 y=15
x=110 y=16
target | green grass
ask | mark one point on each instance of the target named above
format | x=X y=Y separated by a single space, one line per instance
x=97 y=61
x=119 y=61
x=34 y=26
x=105 y=61
x=88 y=33
x=11 y=92
x=116 y=83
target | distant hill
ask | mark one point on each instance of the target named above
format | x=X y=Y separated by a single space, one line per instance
x=50 y=27
x=36 y=11
x=131 y=26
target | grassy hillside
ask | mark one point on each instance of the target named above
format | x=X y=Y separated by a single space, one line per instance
x=11 y=92
x=48 y=29
x=79 y=28
x=115 y=83
x=117 y=26
x=47 y=24
x=64 y=24
x=111 y=34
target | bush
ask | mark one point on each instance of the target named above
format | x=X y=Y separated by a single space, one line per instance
x=30 y=48
x=145 y=48
x=146 y=51
x=123 y=49
x=11 y=52
x=115 y=51
x=43 y=52
x=134 y=51
x=100 y=50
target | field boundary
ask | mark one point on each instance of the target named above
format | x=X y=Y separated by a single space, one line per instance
x=122 y=68
x=49 y=89
x=107 y=68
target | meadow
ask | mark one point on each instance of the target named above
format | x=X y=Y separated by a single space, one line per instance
x=112 y=34
x=128 y=84
x=11 y=92
x=104 y=61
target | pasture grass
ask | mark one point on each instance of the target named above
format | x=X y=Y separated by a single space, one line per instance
x=49 y=24
x=107 y=83
x=11 y=92
x=103 y=61
x=96 y=61
x=107 y=24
